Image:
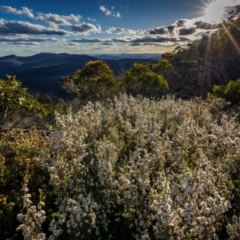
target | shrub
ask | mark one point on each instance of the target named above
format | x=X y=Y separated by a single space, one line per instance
x=19 y=163
x=141 y=169
x=16 y=103
x=230 y=92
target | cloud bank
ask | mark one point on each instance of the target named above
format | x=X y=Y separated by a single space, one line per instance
x=24 y=11
x=21 y=27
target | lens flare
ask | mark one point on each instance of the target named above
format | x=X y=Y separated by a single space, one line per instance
x=215 y=11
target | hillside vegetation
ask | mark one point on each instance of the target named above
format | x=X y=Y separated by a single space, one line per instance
x=151 y=154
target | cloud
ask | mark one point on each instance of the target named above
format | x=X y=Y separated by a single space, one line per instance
x=181 y=22
x=49 y=17
x=16 y=40
x=109 y=12
x=24 y=11
x=150 y=44
x=151 y=39
x=135 y=44
x=158 y=39
x=25 y=41
x=158 y=30
x=134 y=40
x=91 y=19
x=72 y=44
x=107 y=44
x=87 y=40
x=169 y=29
x=207 y=26
x=119 y=40
x=86 y=28
x=66 y=43
x=59 y=19
x=117 y=15
x=22 y=44
x=113 y=30
x=187 y=31
x=105 y=10
x=20 y=27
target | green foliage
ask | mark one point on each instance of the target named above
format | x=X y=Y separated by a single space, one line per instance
x=230 y=92
x=16 y=102
x=96 y=81
x=162 y=65
x=141 y=80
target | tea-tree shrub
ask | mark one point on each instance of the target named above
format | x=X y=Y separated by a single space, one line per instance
x=19 y=163
x=142 y=169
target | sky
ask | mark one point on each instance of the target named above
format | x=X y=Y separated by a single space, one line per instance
x=28 y=27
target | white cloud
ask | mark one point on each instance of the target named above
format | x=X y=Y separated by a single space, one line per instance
x=27 y=39
x=109 y=12
x=24 y=11
x=49 y=17
x=105 y=10
x=91 y=19
x=117 y=15
x=135 y=40
x=86 y=28
x=114 y=30
x=22 y=44
x=21 y=27
x=27 y=12
x=59 y=19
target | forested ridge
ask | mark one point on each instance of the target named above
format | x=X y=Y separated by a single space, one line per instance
x=151 y=154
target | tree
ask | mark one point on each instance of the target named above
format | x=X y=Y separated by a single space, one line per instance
x=184 y=71
x=96 y=81
x=220 y=51
x=162 y=66
x=212 y=60
x=141 y=80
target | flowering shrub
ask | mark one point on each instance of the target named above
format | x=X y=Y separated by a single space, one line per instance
x=141 y=169
x=33 y=219
x=19 y=162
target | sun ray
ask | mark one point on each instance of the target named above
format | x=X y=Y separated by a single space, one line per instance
x=235 y=44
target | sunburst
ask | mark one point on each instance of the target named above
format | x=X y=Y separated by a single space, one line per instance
x=214 y=11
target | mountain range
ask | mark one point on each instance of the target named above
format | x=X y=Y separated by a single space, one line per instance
x=43 y=72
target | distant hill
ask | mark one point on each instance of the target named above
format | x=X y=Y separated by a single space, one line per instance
x=43 y=72
x=128 y=56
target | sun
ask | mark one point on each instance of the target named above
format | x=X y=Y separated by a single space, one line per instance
x=214 y=11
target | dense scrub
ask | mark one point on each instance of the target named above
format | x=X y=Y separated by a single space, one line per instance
x=128 y=167
x=141 y=169
x=19 y=163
